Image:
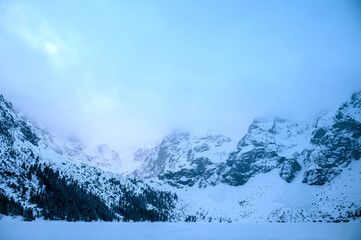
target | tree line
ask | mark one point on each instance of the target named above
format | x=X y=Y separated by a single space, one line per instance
x=61 y=198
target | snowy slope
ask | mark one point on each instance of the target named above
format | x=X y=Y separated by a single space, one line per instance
x=281 y=170
x=100 y=156
x=268 y=198
x=24 y=157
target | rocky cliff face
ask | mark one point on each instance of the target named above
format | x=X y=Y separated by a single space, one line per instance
x=268 y=144
x=12 y=128
x=335 y=142
x=319 y=149
x=180 y=151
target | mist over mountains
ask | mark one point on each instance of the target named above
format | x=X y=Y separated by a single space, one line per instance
x=280 y=170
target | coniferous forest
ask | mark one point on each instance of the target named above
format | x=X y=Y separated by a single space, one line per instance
x=8 y=206
x=60 y=198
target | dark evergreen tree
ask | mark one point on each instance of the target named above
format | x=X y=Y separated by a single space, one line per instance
x=8 y=206
x=28 y=214
x=150 y=205
x=63 y=199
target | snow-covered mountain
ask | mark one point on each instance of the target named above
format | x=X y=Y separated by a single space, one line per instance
x=322 y=148
x=38 y=179
x=100 y=156
x=279 y=171
x=271 y=173
x=179 y=150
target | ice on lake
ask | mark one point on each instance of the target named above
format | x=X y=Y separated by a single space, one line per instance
x=43 y=230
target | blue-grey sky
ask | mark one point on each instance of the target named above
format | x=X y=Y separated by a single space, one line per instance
x=128 y=72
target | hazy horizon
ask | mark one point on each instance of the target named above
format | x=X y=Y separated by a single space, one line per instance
x=128 y=73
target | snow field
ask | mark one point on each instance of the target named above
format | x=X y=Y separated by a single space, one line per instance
x=41 y=230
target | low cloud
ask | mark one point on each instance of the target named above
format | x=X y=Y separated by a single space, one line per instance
x=127 y=74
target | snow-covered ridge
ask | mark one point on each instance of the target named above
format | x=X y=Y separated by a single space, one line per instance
x=100 y=156
x=32 y=173
x=177 y=151
x=322 y=148
x=280 y=170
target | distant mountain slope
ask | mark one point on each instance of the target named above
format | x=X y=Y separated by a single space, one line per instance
x=321 y=148
x=268 y=198
x=281 y=170
x=270 y=176
x=34 y=176
x=179 y=150
x=100 y=156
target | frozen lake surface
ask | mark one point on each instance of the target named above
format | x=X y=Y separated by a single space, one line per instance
x=16 y=230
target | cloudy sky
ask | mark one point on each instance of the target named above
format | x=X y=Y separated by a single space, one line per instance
x=126 y=73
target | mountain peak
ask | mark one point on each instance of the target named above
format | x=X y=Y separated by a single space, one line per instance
x=356 y=97
x=7 y=104
x=177 y=151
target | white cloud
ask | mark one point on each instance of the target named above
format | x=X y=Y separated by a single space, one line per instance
x=51 y=49
x=36 y=32
x=115 y=76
